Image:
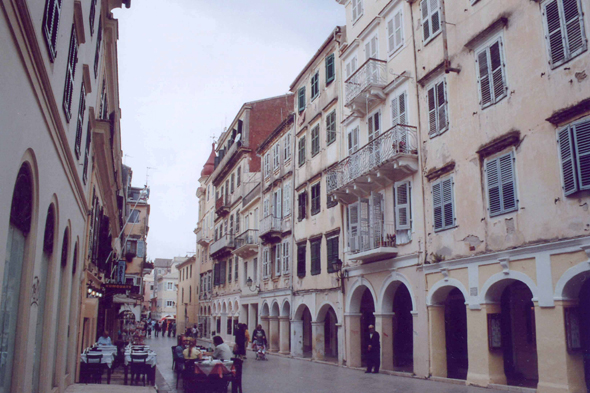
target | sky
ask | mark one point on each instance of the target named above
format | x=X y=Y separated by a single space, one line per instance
x=185 y=69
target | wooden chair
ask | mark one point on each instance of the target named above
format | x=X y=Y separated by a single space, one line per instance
x=94 y=367
x=139 y=367
x=236 y=385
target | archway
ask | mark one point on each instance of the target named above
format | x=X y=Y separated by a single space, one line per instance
x=302 y=332
x=367 y=310
x=274 y=332
x=285 y=328
x=584 y=315
x=327 y=315
x=361 y=307
x=398 y=330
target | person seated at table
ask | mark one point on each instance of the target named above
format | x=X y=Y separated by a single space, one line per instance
x=192 y=352
x=104 y=339
x=222 y=351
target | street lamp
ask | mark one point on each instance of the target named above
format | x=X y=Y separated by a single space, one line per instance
x=341 y=274
x=249 y=284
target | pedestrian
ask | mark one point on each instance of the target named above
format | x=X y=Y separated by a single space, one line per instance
x=188 y=332
x=247 y=339
x=174 y=328
x=194 y=332
x=373 y=351
x=259 y=335
x=169 y=328
x=149 y=330
x=157 y=329
x=239 y=339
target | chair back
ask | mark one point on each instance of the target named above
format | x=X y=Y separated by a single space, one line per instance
x=94 y=358
x=139 y=358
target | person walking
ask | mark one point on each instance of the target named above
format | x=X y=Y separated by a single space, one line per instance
x=174 y=328
x=259 y=334
x=194 y=331
x=157 y=329
x=240 y=339
x=247 y=340
x=373 y=351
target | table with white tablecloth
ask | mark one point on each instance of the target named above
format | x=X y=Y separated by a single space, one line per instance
x=151 y=360
x=107 y=358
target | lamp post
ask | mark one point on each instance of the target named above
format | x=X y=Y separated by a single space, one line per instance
x=249 y=283
x=341 y=274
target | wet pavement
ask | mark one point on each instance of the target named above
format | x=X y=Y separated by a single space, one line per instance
x=285 y=375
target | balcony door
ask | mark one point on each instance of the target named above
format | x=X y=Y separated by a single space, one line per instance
x=375 y=143
x=353 y=227
x=353 y=146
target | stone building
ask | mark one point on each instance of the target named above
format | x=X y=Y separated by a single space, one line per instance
x=187 y=301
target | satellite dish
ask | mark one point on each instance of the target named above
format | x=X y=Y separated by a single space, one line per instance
x=238 y=137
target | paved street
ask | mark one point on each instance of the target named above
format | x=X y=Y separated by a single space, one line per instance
x=286 y=375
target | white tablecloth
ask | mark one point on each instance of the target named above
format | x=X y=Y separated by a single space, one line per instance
x=107 y=358
x=214 y=366
x=152 y=358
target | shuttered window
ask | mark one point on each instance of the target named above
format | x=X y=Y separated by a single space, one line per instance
x=92 y=15
x=315 y=85
x=315 y=140
x=398 y=109
x=353 y=227
x=287 y=145
x=86 y=153
x=437 y=109
x=574 y=148
x=330 y=69
x=70 y=74
x=332 y=252
x=276 y=155
x=301 y=151
x=315 y=199
x=395 y=32
x=287 y=199
x=266 y=263
x=431 y=23
x=302 y=205
x=286 y=256
x=372 y=48
x=222 y=272
x=229 y=270
x=491 y=73
x=301 y=271
x=351 y=67
x=564 y=30
x=443 y=204
x=374 y=125
x=403 y=212
x=331 y=127
x=357 y=9
x=51 y=25
x=301 y=98
x=501 y=185
x=278 y=257
x=316 y=257
x=232 y=182
x=239 y=177
x=80 y=122
x=267 y=165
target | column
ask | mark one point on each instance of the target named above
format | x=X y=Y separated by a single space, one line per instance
x=341 y=343
x=559 y=370
x=285 y=331
x=438 y=341
x=223 y=328
x=384 y=326
x=318 y=343
x=353 y=339
x=266 y=327
x=297 y=338
x=273 y=339
x=421 y=360
x=485 y=366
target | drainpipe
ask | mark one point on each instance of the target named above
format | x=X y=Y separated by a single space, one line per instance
x=447 y=62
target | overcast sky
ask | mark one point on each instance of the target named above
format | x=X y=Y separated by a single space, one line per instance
x=185 y=69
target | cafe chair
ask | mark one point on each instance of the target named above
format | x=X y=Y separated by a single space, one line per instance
x=188 y=376
x=236 y=385
x=139 y=368
x=94 y=367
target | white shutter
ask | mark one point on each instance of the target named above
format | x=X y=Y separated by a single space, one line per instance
x=278 y=254
x=398 y=25
x=391 y=35
x=485 y=88
x=353 y=222
x=425 y=20
x=441 y=101
x=286 y=252
x=279 y=203
x=368 y=50
x=265 y=207
x=287 y=199
x=375 y=47
x=348 y=69
x=434 y=8
x=437 y=205
x=355 y=9
x=582 y=141
x=432 y=118
x=555 y=35
x=394 y=111
x=574 y=28
x=448 y=205
x=402 y=206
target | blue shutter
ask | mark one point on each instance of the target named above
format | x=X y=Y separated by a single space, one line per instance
x=582 y=142
x=493 y=177
x=570 y=184
x=506 y=164
x=574 y=30
x=448 y=205
x=402 y=206
x=437 y=205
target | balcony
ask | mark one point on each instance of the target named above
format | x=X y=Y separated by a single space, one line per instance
x=391 y=157
x=365 y=86
x=204 y=237
x=223 y=245
x=222 y=205
x=270 y=229
x=372 y=242
x=247 y=243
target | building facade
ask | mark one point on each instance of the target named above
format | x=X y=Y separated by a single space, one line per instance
x=187 y=300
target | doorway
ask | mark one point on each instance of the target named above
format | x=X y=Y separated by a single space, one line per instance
x=456 y=335
x=403 y=330
x=367 y=318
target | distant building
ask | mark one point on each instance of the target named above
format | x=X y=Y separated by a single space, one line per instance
x=187 y=300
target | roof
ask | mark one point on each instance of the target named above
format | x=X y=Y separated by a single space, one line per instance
x=161 y=262
x=284 y=124
x=188 y=261
x=209 y=166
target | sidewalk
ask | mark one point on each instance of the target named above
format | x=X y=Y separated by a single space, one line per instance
x=93 y=388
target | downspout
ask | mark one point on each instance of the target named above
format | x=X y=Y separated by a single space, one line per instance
x=447 y=62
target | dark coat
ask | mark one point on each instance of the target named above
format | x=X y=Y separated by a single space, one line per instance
x=374 y=343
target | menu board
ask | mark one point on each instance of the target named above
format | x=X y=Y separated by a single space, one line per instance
x=572 y=329
x=494 y=331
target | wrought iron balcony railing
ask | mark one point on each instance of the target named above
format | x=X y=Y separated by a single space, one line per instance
x=225 y=241
x=373 y=73
x=398 y=140
x=270 y=224
x=248 y=237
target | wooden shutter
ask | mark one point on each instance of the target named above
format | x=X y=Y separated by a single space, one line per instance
x=395 y=111
x=574 y=30
x=51 y=25
x=555 y=35
x=364 y=211
x=301 y=260
x=355 y=11
x=279 y=203
x=434 y=8
x=448 y=205
x=441 y=101
x=391 y=35
x=432 y=118
x=301 y=98
x=497 y=70
x=493 y=177
x=398 y=25
x=265 y=207
x=398 y=110
x=353 y=222
x=437 y=205
x=485 y=88
x=566 y=149
x=278 y=254
x=286 y=252
x=425 y=20
x=330 y=69
x=402 y=206
x=140 y=249
x=316 y=257
x=376 y=221
x=402 y=108
x=582 y=141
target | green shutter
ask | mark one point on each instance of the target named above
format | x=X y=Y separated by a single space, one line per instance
x=301 y=97
x=330 y=70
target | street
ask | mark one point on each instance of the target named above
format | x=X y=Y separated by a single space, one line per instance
x=285 y=375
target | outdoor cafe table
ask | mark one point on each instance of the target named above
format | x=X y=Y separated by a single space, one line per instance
x=107 y=358
x=151 y=360
x=212 y=374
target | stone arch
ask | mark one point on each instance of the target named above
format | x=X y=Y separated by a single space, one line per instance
x=224 y=308
x=299 y=311
x=274 y=309
x=492 y=290
x=439 y=291
x=323 y=309
x=569 y=284
x=286 y=309
x=265 y=309
x=355 y=294
x=389 y=289
x=209 y=311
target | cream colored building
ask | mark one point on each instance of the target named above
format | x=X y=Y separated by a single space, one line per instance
x=166 y=289
x=187 y=301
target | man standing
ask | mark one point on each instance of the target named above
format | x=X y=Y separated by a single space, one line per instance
x=373 y=351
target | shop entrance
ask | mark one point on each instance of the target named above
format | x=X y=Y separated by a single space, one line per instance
x=456 y=335
x=367 y=318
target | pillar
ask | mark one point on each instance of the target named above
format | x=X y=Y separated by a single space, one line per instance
x=223 y=327
x=341 y=344
x=485 y=366
x=420 y=335
x=353 y=339
x=384 y=326
x=273 y=339
x=318 y=341
x=297 y=338
x=264 y=321
x=559 y=370
x=285 y=331
x=438 y=341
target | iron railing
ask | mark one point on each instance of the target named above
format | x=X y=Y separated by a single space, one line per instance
x=399 y=139
x=270 y=223
x=248 y=237
x=372 y=73
x=371 y=235
x=224 y=241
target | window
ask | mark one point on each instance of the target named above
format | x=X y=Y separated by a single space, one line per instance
x=140 y=248
x=491 y=74
x=330 y=200
x=169 y=303
x=151 y=287
x=245 y=273
x=286 y=256
x=255 y=270
x=331 y=127
x=70 y=74
x=351 y=67
x=443 y=204
x=232 y=182
x=86 y=153
x=357 y=10
x=97 y=50
x=276 y=155
x=229 y=275
x=236 y=269
x=395 y=32
x=315 y=199
x=131 y=248
x=301 y=98
x=238 y=217
x=301 y=150
x=315 y=85
x=398 y=109
x=169 y=286
x=267 y=165
x=431 y=23
x=353 y=140
x=332 y=255
x=222 y=272
x=266 y=263
x=191 y=271
x=92 y=15
x=287 y=145
x=302 y=205
x=239 y=176
x=374 y=125
x=134 y=216
x=277 y=203
x=80 y=122
x=574 y=148
x=315 y=248
x=330 y=69
x=287 y=199
x=182 y=298
x=437 y=109
x=51 y=25
x=278 y=256
x=372 y=48
x=315 y=140
x=301 y=260
x=501 y=185
x=104 y=102
x=403 y=212
x=266 y=207
x=564 y=30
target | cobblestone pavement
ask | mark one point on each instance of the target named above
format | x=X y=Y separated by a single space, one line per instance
x=280 y=374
